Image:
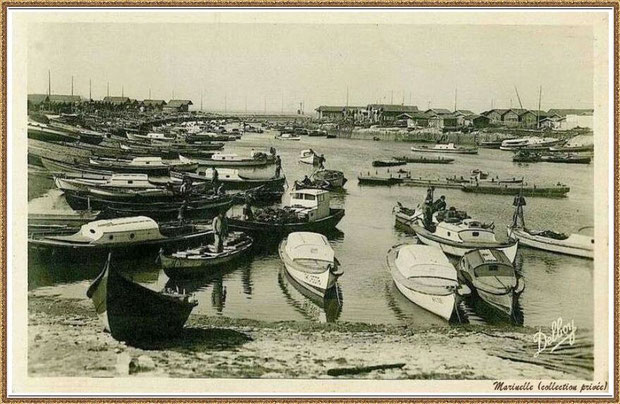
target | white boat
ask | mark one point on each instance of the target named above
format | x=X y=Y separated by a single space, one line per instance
x=528 y=142
x=492 y=276
x=309 y=259
x=309 y=157
x=230 y=160
x=132 y=181
x=452 y=235
x=445 y=148
x=425 y=276
x=287 y=136
x=150 y=136
x=578 y=245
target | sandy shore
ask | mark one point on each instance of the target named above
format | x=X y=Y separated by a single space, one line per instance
x=66 y=339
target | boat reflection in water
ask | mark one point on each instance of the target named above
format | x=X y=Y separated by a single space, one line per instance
x=409 y=312
x=312 y=307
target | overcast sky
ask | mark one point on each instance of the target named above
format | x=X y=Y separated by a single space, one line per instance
x=277 y=64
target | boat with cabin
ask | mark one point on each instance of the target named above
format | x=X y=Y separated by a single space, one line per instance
x=492 y=277
x=445 y=148
x=132 y=312
x=425 y=276
x=309 y=210
x=309 y=259
x=128 y=236
x=577 y=245
x=205 y=259
x=529 y=143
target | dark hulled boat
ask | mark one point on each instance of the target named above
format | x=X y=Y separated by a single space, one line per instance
x=132 y=312
x=557 y=191
x=388 y=163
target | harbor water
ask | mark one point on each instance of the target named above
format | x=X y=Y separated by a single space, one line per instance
x=257 y=287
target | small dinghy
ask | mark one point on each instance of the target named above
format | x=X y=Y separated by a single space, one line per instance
x=578 y=245
x=492 y=276
x=309 y=157
x=425 y=276
x=309 y=259
x=335 y=178
x=132 y=312
x=288 y=136
x=204 y=259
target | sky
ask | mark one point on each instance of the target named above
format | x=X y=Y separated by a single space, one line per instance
x=276 y=66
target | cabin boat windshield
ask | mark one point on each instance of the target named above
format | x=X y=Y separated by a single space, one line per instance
x=494 y=270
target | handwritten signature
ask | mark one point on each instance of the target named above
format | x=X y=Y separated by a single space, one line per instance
x=560 y=334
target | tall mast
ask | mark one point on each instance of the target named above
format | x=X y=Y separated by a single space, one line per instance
x=122 y=91
x=518 y=98
x=265 y=105
x=455 y=95
x=538 y=112
x=90 y=89
x=108 y=89
x=49 y=83
x=71 y=85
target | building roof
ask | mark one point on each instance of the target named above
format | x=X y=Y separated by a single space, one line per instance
x=476 y=116
x=326 y=108
x=497 y=110
x=55 y=98
x=438 y=111
x=564 y=112
x=393 y=107
x=464 y=112
x=517 y=111
x=154 y=102
x=37 y=98
x=527 y=111
x=179 y=103
x=117 y=100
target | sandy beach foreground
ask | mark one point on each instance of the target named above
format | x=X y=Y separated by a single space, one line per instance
x=65 y=338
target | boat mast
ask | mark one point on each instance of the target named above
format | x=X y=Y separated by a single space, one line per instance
x=538 y=112
x=455 y=95
x=49 y=83
x=518 y=98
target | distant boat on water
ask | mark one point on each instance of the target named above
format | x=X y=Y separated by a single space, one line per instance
x=445 y=148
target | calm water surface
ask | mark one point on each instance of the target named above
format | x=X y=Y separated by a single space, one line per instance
x=258 y=288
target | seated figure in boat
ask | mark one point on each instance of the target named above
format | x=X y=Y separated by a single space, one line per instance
x=306 y=181
x=440 y=204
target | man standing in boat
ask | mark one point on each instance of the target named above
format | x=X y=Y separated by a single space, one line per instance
x=278 y=166
x=220 y=229
x=247 y=210
x=322 y=162
x=440 y=204
x=215 y=179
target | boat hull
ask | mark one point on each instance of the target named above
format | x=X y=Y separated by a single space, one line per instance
x=317 y=283
x=442 y=306
x=551 y=192
x=132 y=312
x=547 y=244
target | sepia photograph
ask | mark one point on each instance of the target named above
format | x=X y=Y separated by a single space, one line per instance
x=352 y=202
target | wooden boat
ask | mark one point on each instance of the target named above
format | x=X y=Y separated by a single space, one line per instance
x=62 y=217
x=309 y=157
x=425 y=182
x=388 y=163
x=128 y=236
x=204 y=259
x=453 y=232
x=209 y=136
x=529 y=143
x=114 y=181
x=57 y=166
x=425 y=159
x=144 y=205
x=46 y=133
x=146 y=165
x=334 y=178
x=309 y=259
x=331 y=135
x=132 y=312
x=382 y=178
x=230 y=160
x=425 y=276
x=491 y=144
x=233 y=179
x=577 y=245
x=83 y=135
x=572 y=148
x=445 y=148
x=260 y=195
x=558 y=190
x=567 y=158
x=491 y=275
x=524 y=156
x=309 y=210
x=288 y=136
x=150 y=136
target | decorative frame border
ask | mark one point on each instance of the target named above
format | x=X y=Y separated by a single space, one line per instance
x=5 y=5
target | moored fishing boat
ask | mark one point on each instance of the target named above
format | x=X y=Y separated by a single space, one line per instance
x=445 y=148
x=287 y=136
x=205 y=259
x=230 y=160
x=128 y=236
x=62 y=217
x=552 y=191
x=309 y=259
x=57 y=166
x=529 y=143
x=388 y=163
x=492 y=277
x=233 y=178
x=334 y=178
x=425 y=276
x=425 y=159
x=567 y=158
x=150 y=136
x=46 y=133
x=131 y=312
x=147 y=165
x=309 y=210
x=524 y=156
x=578 y=245
x=382 y=178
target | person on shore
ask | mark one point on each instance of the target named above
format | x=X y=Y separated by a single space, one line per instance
x=220 y=229
x=278 y=166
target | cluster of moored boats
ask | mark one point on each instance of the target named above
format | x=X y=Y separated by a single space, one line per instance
x=154 y=192
x=485 y=270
